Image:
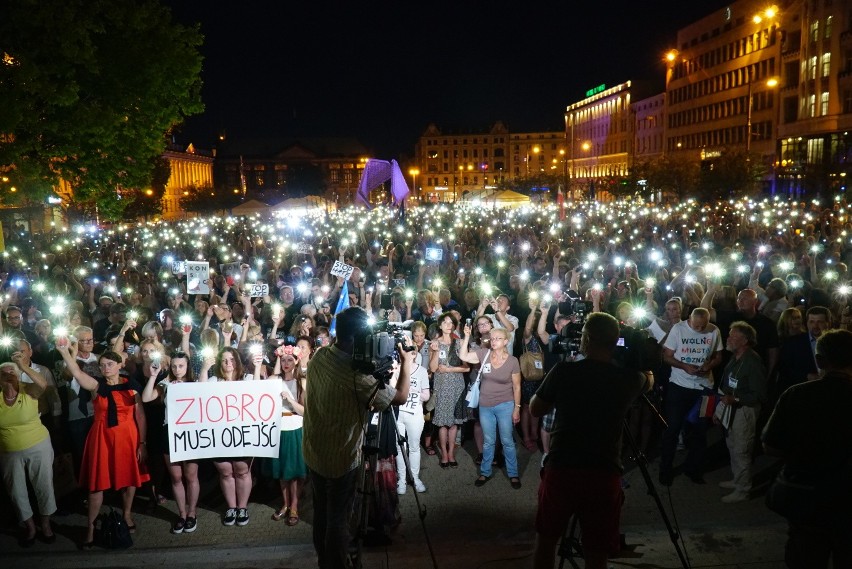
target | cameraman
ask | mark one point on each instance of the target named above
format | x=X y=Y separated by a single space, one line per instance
x=582 y=475
x=335 y=410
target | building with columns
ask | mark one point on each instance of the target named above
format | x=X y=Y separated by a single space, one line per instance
x=190 y=168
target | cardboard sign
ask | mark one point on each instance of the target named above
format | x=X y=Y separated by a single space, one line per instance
x=258 y=290
x=197 y=274
x=230 y=269
x=399 y=283
x=178 y=267
x=434 y=254
x=224 y=419
x=342 y=270
x=303 y=248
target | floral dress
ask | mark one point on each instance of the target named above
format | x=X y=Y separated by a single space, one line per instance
x=448 y=387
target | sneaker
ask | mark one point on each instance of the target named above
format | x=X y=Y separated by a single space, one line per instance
x=401 y=487
x=191 y=525
x=543 y=459
x=230 y=517
x=179 y=527
x=242 y=517
x=727 y=484
x=419 y=486
x=734 y=497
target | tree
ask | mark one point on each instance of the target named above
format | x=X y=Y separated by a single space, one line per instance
x=676 y=174
x=207 y=200
x=148 y=202
x=89 y=89
x=735 y=172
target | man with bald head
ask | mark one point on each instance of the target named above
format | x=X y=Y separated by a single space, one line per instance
x=747 y=311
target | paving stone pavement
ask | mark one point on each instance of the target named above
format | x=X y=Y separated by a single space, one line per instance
x=489 y=527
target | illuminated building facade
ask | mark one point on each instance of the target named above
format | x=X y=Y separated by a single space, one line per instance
x=271 y=170
x=600 y=135
x=189 y=168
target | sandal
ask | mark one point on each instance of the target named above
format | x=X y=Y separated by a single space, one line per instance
x=282 y=513
x=292 y=518
x=431 y=451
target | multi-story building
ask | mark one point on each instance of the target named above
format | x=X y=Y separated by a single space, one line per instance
x=274 y=169
x=450 y=164
x=601 y=134
x=649 y=128
x=814 y=143
x=189 y=168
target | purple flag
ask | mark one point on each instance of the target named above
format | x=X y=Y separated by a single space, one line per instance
x=376 y=172
x=399 y=189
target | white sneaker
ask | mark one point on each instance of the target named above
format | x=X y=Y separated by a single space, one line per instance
x=401 y=488
x=419 y=486
x=543 y=458
x=734 y=497
x=727 y=484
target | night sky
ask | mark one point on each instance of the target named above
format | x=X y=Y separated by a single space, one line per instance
x=381 y=72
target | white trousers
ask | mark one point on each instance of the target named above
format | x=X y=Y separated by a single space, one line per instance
x=409 y=425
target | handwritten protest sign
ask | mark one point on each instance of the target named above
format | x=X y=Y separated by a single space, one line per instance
x=197 y=274
x=303 y=248
x=342 y=270
x=230 y=269
x=178 y=267
x=258 y=290
x=224 y=419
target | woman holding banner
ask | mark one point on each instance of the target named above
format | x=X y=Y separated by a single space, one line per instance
x=289 y=468
x=115 y=454
x=234 y=472
x=184 y=475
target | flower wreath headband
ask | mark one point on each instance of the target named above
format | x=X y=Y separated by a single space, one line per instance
x=294 y=351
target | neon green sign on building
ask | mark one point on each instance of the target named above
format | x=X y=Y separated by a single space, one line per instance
x=596 y=90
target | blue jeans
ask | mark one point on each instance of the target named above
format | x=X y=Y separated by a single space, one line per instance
x=492 y=419
x=333 y=498
x=678 y=402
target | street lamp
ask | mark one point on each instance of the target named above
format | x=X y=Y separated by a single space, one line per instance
x=772 y=82
x=414 y=172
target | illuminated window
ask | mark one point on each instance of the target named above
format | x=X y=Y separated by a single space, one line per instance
x=812 y=65
x=826 y=64
x=823 y=103
x=814 y=35
x=815 y=151
x=812 y=106
x=828 y=21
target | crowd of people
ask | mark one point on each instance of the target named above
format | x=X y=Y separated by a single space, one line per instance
x=727 y=300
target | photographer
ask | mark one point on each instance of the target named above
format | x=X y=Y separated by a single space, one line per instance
x=582 y=475
x=335 y=408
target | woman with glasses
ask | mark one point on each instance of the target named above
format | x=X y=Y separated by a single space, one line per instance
x=499 y=401
x=116 y=448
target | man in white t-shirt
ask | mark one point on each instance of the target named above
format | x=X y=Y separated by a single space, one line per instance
x=501 y=317
x=693 y=348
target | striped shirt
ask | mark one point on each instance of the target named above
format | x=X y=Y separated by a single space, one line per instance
x=335 y=410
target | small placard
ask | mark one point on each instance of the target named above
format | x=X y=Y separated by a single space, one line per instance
x=197 y=275
x=257 y=290
x=178 y=267
x=342 y=270
x=303 y=248
x=434 y=254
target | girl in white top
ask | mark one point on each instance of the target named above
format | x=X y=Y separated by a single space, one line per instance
x=410 y=424
x=289 y=468
x=184 y=475
x=234 y=473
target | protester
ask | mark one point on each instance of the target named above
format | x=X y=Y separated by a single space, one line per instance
x=817 y=455
x=448 y=384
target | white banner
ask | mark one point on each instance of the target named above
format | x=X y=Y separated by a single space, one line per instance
x=257 y=289
x=342 y=270
x=224 y=419
x=197 y=274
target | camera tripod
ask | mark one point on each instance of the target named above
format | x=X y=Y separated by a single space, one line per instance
x=366 y=488
x=570 y=547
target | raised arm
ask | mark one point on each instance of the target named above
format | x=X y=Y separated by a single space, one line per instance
x=85 y=380
x=466 y=355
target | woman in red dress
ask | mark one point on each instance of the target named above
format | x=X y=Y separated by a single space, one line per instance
x=114 y=456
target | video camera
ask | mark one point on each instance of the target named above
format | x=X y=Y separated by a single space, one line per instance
x=568 y=341
x=375 y=348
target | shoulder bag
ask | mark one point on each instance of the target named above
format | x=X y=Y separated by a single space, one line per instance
x=472 y=397
x=532 y=364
